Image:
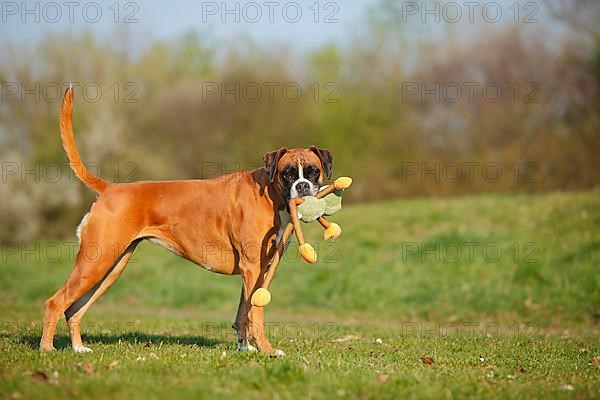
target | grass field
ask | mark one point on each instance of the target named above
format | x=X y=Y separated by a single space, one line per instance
x=494 y=296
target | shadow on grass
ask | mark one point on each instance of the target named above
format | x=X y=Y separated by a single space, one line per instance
x=141 y=338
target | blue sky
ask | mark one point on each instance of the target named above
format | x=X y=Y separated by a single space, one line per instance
x=300 y=24
x=278 y=22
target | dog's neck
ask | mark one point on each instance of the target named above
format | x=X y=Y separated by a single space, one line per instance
x=269 y=190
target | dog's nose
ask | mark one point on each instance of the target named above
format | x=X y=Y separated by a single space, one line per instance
x=303 y=188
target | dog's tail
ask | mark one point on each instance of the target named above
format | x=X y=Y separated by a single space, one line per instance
x=68 y=141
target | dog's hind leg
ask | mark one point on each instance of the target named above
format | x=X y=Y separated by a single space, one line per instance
x=99 y=257
x=77 y=310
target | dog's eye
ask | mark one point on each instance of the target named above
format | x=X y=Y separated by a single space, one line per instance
x=312 y=172
x=289 y=174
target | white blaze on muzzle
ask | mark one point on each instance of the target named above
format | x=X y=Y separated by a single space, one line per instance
x=294 y=190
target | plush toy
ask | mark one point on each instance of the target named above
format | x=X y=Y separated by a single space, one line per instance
x=307 y=209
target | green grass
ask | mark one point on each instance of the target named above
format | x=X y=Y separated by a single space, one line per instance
x=394 y=275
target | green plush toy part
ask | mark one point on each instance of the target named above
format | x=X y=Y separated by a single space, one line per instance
x=313 y=208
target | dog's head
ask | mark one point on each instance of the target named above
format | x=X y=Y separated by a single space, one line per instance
x=298 y=172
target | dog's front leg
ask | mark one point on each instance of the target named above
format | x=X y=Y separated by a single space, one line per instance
x=240 y=325
x=250 y=320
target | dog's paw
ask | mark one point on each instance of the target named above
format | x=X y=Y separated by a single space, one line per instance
x=246 y=347
x=277 y=353
x=82 y=349
x=45 y=349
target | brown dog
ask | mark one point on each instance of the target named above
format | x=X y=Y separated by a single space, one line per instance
x=229 y=225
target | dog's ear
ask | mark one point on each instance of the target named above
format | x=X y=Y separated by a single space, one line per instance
x=271 y=160
x=326 y=160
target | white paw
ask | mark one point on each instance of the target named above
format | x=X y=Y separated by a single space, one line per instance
x=278 y=353
x=82 y=349
x=246 y=347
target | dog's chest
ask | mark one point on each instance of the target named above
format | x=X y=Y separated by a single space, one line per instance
x=284 y=217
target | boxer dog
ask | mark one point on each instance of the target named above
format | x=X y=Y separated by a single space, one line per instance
x=228 y=225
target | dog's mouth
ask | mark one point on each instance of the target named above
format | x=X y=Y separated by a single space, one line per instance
x=302 y=190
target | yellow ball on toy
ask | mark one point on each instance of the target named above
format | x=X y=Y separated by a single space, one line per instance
x=333 y=232
x=342 y=183
x=261 y=297
x=308 y=253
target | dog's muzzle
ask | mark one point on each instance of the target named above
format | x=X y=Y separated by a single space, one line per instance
x=302 y=187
